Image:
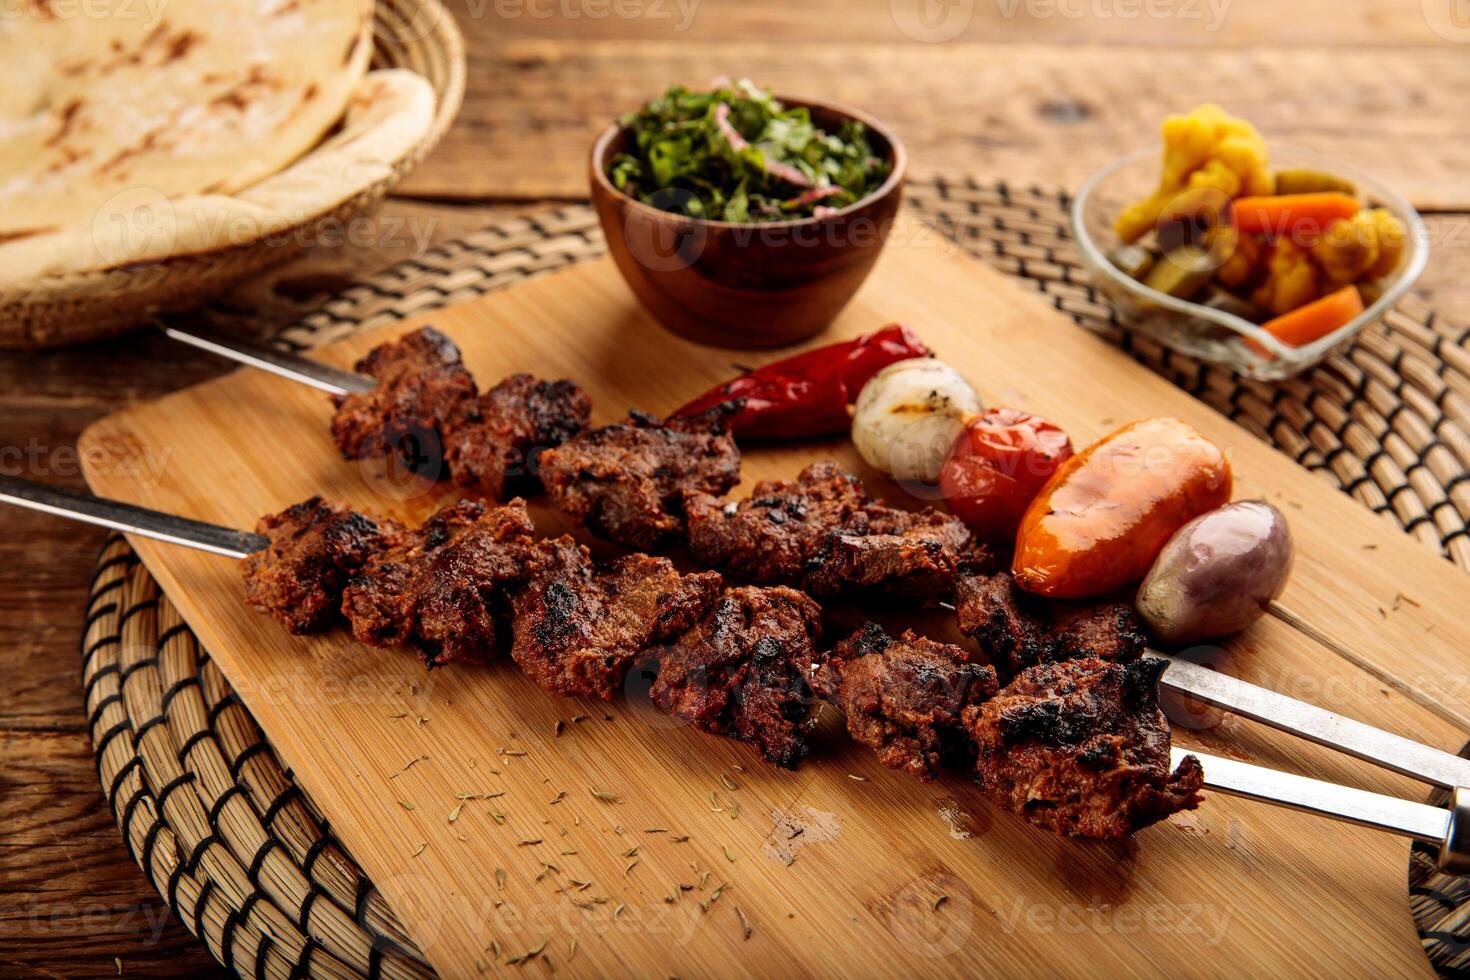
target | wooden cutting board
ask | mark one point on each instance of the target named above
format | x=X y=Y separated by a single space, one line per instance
x=710 y=862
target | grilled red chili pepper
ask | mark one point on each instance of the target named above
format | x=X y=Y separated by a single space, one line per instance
x=998 y=466
x=808 y=394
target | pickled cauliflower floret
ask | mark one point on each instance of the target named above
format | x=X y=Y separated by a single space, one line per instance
x=1239 y=256
x=1392 y=238
x=1205 y=148
x=1291 y=279
x=1366 y=246
x=1346 y=250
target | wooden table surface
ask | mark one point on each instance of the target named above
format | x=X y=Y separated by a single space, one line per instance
x=1038 y=91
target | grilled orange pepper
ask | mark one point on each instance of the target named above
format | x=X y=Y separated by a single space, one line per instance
x=1105 y=515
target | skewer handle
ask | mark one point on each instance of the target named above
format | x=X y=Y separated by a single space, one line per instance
x=324 y=377
x=1450 y=829
x=129 y=518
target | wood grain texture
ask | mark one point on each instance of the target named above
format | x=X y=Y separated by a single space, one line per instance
x=1264 y=891
x=1237 y=23
x=1034 y=114
x=50 y=397
x=71 y=899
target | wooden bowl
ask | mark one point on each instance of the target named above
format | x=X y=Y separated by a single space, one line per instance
x=747 y=285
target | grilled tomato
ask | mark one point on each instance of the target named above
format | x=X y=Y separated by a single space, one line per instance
x=998 y=465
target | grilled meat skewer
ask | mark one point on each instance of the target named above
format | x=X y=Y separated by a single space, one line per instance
x=1016 y=630
x=427 y=408
x=743 y=662
x=643 y=483
x=1444 y=828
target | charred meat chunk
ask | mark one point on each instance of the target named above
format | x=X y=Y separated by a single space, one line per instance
x=1081 y=748
x=442 y=585
x=1017 y=630
x=495 y=446
x=422 y=389
x=1106 y=630
x=1003 y=620
x=742 y=671
x=315 y=548
x=824 y=533
x=904 y=698
x=578 y=629
x=627 y=481
x=767 y=538
x=897 y=554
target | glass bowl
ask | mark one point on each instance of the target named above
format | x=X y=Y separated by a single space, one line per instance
x=1204 y=332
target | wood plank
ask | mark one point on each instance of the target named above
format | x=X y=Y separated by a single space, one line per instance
x=74 y=901
x=1033 y=114
x=1278 y=891
x=1208 y=23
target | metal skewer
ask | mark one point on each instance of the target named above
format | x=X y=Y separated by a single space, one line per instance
x=130 y=518
x=323 y=377
x=1449 y=828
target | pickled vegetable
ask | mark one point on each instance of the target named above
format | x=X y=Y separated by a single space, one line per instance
x=1132 y=260
x=1188 y=217
x=1292 y=279
x=1301 y=217
x=1347 y=251
x=1227 y=302
x=1206 y=148
x=1306 y=181
x=1181 y=272
x=1276 y=242
x=1217 y=574
x=1100 y=522
x=1240 y=257
x=1315 y=320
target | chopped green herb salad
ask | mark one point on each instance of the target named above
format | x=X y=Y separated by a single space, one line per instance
x=737 y=154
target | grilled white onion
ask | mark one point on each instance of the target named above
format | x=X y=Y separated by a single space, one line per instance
x=909 y=415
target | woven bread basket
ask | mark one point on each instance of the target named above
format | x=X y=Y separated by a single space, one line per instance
x=418 y=35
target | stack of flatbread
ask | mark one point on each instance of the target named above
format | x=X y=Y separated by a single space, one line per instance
x=136 y=130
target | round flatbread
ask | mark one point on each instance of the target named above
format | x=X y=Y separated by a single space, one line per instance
x=387 y=116
x=169 y=97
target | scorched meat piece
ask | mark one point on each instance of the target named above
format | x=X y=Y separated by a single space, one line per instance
x=578 y=629
x=1017 y=630
x=904 y=697
x=441 y=585
x=627 y=481
x=316 y=546
x=823 y=532
x=767 y=538
x=742 y=671
x=1105 y=630
x=1081 y=748
x=495 y=446
x=422 y=389
x=896 y=554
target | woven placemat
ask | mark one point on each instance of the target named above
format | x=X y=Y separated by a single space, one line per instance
x=249 y=865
